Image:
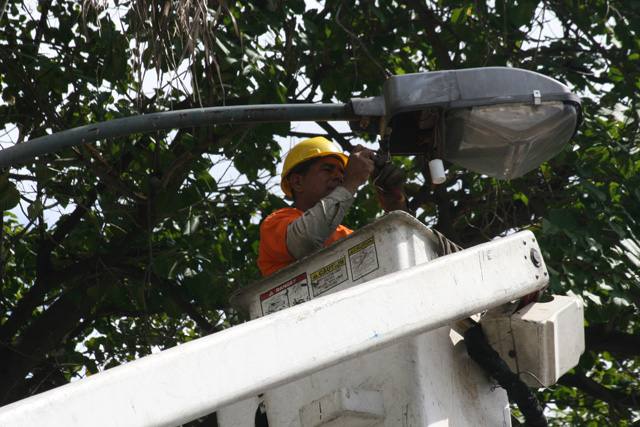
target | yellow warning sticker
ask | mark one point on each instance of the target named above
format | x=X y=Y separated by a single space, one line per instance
x=363 y=258
x=329 y=276
x=362 y=246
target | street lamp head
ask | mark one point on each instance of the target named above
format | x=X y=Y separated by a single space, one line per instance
x=502 y=122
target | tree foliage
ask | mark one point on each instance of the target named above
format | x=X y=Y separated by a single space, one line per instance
x=134 y=244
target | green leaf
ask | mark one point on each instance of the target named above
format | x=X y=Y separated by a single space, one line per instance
x=9 y=194
x=35 y=209
x=191 y=225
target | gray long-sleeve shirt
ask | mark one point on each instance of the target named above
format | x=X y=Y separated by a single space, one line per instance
x=309 y=232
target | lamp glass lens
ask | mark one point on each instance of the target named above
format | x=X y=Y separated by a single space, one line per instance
x=508 y=140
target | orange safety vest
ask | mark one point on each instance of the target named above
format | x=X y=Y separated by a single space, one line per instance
x=272 y=252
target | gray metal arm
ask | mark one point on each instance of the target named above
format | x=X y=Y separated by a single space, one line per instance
x=173 y=120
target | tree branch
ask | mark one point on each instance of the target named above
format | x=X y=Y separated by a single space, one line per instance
x=430 y=23
x=599 y=338
x=615 y=398
x=175 y=294
x=43 y=335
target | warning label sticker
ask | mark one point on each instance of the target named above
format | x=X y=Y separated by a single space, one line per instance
x=329 y=276
x=290 y=293
x=363 y=258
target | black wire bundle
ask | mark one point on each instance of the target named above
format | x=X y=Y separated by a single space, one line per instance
x=490 y=361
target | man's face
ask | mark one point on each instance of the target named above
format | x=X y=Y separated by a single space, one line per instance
x=322 y=177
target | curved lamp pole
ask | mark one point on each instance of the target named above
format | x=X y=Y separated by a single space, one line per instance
x=498 y=121
x=173 y=120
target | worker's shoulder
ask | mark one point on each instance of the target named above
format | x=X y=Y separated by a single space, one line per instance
x=283 y=213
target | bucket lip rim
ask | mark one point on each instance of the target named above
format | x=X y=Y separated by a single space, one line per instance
x=240 y=299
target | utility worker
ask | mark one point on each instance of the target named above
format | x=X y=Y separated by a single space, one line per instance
x=322 y=182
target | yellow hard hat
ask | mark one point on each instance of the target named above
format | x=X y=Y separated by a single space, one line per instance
x=306 y=150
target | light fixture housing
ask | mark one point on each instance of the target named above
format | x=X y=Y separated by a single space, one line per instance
x=498 y=121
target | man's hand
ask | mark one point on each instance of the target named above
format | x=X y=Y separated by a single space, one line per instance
x=358 y=169
x=388 y=180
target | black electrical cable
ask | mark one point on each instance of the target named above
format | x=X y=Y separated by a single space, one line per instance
x=490 y=361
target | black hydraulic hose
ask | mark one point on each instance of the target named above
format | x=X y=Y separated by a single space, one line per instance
x=490 y=361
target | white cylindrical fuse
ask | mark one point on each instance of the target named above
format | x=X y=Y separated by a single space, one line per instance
x=437 y=171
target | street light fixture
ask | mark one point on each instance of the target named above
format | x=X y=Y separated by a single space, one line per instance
x=502 y=122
